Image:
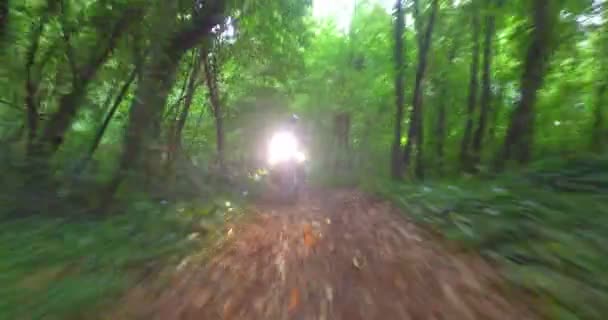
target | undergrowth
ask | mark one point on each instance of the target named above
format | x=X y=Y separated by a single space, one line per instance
x=62 y=268
x=548 y=228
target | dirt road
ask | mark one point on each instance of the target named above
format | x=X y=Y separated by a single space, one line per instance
x=335 y=255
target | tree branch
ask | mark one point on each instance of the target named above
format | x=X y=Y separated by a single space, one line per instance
x=201 y=26
x=69 y=103
x=66 y=36
x=31 y=85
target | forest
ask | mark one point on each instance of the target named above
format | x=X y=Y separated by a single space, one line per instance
x=131 y=134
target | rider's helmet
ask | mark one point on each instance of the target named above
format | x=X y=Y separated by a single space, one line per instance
x=293 y=119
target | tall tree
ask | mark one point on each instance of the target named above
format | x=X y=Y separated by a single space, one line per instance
x=598 y=129
x=52 y=136
x=399 y=88
x=175 y=134
x=4 y=10
x=416 y=130
x=107 y=119
x=486 y=84
x=520 y=133
x=32 y=81
x=465 y=156
x=440 y=126
x=211 y=75
x=156 y=81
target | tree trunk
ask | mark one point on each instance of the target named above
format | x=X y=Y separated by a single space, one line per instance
x=598 y=130
x=598 y=138
x=53 y=134
x=416 y=130
x=495 y=114
x=396 y=171
x=156 y=80
x=175 y=140
x=182 y=95
x=31 y=84
x=4 y=7
x=119 y=98
x=440 y=131
x=146 y=108
x=342 y=124
x=519 y=137
x=465 y=156
x=486 y=93
x=418 y=23
x=211 y=74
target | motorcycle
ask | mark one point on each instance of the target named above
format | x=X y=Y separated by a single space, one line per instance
x=286 y=165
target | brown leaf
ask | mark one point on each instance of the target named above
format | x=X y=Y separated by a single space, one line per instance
x=309 y=240
x=309 y=237
x=294 y=300
x=202 y=299
x=228 y=309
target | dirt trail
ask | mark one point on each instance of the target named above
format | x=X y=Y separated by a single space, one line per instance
x=336 y=255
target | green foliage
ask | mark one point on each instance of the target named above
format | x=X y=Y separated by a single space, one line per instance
x=549 y=237
x=69 y=60
x=57 y=268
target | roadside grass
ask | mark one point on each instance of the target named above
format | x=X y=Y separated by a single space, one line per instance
x=70 y=268
x=547 y=228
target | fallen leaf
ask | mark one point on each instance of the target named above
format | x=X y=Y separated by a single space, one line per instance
x=202 y=299
x=307 y=228
x=323 y=310
x=228 y=309
x=329 y=293
x=356 y=263
x=309 y=237
x=294 y=300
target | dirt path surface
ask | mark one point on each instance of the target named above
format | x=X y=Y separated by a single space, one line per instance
x=334 y=255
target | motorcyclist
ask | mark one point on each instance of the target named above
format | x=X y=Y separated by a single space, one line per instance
x=289 y=130
x=294 y=126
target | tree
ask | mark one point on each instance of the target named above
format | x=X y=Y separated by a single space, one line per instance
x=155 y=83
x=440 y=126
x=465 y=156
x=486 y=92
x=520 y=133
x=598 y=131
x=175 y=131
x=598 y=138
x=416 y=131
x=211 y=74
x=31 y=82
x=4 y=10
x=52 y=136
x=108 y=118
x=396 y=170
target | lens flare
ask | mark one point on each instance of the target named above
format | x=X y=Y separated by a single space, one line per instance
x=283 y=147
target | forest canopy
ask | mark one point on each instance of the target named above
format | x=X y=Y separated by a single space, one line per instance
x=487 y=83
